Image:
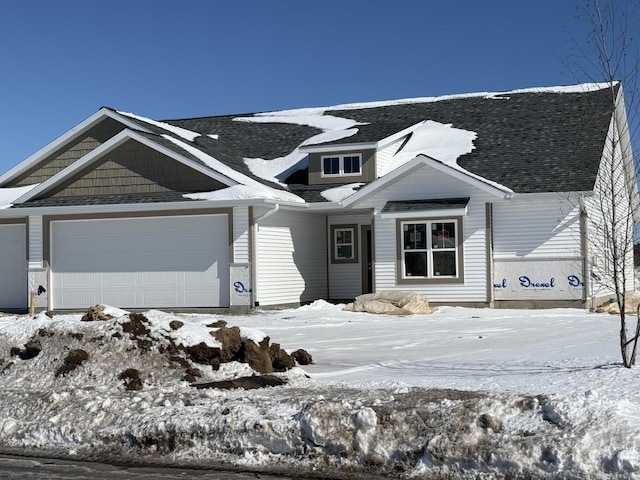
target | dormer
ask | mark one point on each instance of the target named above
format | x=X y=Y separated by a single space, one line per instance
x=334 y=163
x=331 y=164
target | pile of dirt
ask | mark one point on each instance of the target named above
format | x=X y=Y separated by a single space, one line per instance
x=148 y=350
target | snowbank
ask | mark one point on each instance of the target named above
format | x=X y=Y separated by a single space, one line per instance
x=461 y=393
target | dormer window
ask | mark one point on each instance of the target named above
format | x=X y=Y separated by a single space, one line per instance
x=341 y=165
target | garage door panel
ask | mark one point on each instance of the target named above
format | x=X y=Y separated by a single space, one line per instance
x=117 y=279
x=141 y=262
x=115 y=297
x=169 y=279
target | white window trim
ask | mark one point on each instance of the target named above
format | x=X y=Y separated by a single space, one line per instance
x=430 y=250
x=341 y=158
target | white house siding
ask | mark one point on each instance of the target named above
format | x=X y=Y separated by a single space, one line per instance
x=345 y=279
x=385 y=154
x=429 y=183
x=35 y=240
x=600 y=208
x=536 y=226
x=291 y=253
x=241 y=235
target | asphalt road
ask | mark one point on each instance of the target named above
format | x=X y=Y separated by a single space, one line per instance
x=31 y=468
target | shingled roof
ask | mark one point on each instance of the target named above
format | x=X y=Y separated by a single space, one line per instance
x=528 y=141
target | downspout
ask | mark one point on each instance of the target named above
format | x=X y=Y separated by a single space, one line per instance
x=489 y=252
x=584 y=250
x=267 y=213
x=256 y=239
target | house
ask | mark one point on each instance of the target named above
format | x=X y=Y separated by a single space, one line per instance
x=483 y=199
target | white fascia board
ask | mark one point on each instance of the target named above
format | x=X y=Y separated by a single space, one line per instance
x=573 y=196
x=342 y=147
x=65 y=138
x=110 y=145
x=436 y=213
x=461 y=175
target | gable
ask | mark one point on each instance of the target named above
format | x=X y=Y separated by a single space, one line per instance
x=69 y=153
x=133 y=168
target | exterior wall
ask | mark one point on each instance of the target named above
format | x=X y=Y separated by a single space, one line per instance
x=427 y=183
x=136 y=168
x=537 y=226
x=345 y=279
x=64 y=157
x=368 y=168
x=291 y=258
x=611 y=205
x=537 y=246
x=385 y=154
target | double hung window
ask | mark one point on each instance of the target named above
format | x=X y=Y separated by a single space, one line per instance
x=429 y=249
x=344 y=244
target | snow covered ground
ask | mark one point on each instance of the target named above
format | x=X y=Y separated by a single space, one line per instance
x=462 y=393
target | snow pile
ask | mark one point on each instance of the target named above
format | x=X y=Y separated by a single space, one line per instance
x=460 y=394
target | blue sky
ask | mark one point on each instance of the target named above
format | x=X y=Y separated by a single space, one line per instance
x=62 y=60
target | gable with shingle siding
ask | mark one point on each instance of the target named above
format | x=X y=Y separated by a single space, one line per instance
x=134 y=168
x=70 y=153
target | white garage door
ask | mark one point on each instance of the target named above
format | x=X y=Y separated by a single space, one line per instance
x=13 y=270
x=153 y=262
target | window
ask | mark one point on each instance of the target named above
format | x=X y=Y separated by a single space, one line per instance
x=344 y=245
x=429 y=250
x=341 y=165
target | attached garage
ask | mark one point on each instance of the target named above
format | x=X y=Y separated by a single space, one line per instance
x=149 y=262
x=13 y=267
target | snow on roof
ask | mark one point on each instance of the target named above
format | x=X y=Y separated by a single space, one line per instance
x=258 y=189
x=580 y=88
x=337 y=194
x=9 y=195
x=333 y=128
x=243 y=192
x=277 y=169
x=181 y=132
x=310 y=117
x=436 y=140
